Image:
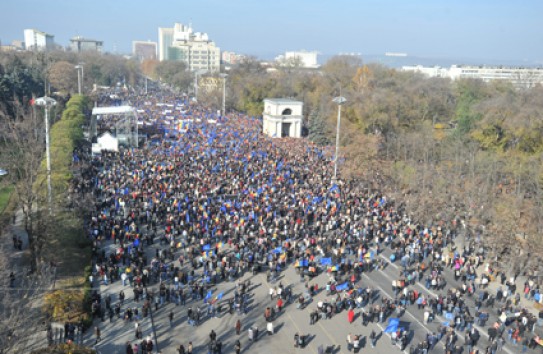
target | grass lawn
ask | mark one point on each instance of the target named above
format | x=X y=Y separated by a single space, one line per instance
x=5 y=193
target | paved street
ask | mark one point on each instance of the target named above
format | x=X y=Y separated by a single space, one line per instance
x=326 y=333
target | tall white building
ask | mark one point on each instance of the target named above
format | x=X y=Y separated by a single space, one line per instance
x=38 y=40
x=193 y=48
x=165 y=41
x=519 y=77
x=303 y=58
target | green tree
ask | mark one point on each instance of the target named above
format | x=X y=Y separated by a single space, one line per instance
x=319 y=132
x=174 y=73
x=468 y=93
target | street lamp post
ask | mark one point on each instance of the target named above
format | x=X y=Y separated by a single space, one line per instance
x=79 y=69
x=152 y=321
x=47 y=103
x=224 y=76
x=196 y=86
x=82 y=77
x=196 y=74
x=340 y=100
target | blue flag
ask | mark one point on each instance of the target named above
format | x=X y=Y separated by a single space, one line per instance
x=326 y=261
x=392 y=326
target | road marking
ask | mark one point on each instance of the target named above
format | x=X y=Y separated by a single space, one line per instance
x=298 y=330
x=419 y=284
x=326 y=332
x=407 y=312
x=383 y=330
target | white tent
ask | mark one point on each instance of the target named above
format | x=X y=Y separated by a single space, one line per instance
x=107 y=142
x=112 y=110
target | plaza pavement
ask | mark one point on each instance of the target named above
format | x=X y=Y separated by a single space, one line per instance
x=325 y=333
x=332 y=332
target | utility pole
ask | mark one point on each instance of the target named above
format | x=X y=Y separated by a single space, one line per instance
x=79 y=68
x=224 y=76
x=340 y=100
x=152 y=320
x=47 y=103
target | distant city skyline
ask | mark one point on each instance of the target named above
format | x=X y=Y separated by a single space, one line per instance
x=493 y=30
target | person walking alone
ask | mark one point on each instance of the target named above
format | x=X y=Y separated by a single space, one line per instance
x=98 y=334
x=373 y=338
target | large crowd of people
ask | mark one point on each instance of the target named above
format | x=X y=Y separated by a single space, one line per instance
x=222 y=199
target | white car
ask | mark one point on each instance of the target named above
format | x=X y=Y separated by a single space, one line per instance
x=3 y=172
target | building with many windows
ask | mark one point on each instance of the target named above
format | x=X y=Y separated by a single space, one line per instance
x=16 y=45
x=519 y=77
x=193 y=48
x=232 y=58
x=79 y=44
x=144 y=50
x=38 y=40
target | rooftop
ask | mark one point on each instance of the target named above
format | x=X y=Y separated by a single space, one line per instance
x=38 y=31
x=82 y=39
x=112 y=110
x=283 y=101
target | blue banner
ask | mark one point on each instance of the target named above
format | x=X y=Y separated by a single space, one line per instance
x=326 y=261
x=392 y=326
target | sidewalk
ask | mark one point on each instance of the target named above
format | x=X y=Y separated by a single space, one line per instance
x=29 y=337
